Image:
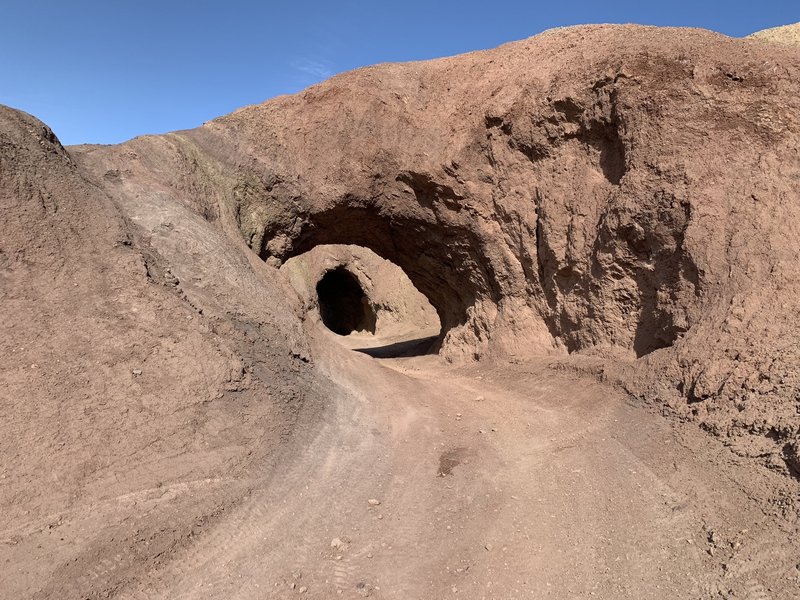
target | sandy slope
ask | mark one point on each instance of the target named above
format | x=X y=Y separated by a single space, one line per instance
x=144 y=356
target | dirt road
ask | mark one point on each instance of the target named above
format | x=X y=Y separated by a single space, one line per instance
x=421 y=480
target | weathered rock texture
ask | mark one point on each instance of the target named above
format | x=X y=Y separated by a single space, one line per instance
x=398 y=306
x=627 y=191
x=133 y=338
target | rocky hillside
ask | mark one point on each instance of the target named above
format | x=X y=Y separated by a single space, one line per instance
x=133 y=339
x=628 y=193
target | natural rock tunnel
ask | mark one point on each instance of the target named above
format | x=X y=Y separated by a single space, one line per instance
x=343 y=305
x=353 y=290
x=625 y=283
x=443 y=260
x=531 y=229
x=547 y=214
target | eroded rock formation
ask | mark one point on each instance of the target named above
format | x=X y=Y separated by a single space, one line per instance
x=621 y=200
x=604 y=189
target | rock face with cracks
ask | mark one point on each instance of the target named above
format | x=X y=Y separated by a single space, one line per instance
x=628 y=192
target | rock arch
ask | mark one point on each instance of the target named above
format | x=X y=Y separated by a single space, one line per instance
x=444 y=260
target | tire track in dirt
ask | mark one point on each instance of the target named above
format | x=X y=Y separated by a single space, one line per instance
x=547 y=483
x=202 y=569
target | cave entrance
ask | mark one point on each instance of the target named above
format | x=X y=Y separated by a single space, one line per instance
x=368 y=301
x=343 y=305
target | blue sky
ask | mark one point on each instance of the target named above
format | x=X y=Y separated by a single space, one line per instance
x=105 y=71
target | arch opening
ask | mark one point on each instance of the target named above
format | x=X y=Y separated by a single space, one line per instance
x=369 y=301
x=343 y=305
x=443 y=259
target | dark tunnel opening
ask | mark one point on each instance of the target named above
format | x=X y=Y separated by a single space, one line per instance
x=443 y=262
x=343 y=305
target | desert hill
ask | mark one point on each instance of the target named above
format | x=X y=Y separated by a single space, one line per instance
x=605 y=222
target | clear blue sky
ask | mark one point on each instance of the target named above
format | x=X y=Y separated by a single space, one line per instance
x=105 y=71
